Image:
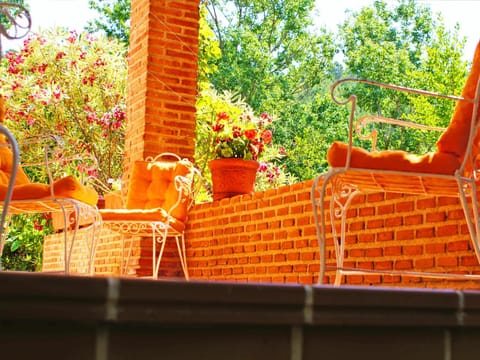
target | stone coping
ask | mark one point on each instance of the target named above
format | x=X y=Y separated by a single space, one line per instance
x=31 y=297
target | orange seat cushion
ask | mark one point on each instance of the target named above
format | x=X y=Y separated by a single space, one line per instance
x=395 y=160
x=150 y=215
x=152 y=186
x=67 y=187
x=455 y=137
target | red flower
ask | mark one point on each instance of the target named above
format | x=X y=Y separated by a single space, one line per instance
x=217 y=127
x=250 y=134
x=60 y=55
x=222 y=116
x=237 y=131
x=266 y=136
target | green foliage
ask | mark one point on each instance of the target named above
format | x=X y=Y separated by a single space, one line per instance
x=72 y=85
x=114 y=19
x=208 y=51
x=308 y=132
x=24 y=245
x=4 y=20
x=403 y=45
x=268 y=51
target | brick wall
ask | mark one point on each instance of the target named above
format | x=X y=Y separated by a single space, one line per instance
x=270 y=237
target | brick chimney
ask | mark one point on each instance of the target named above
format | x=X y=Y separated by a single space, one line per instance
x=162 y=78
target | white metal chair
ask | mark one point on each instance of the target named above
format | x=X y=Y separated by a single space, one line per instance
x=451 y=171
x=161 y=191
x=67 y=196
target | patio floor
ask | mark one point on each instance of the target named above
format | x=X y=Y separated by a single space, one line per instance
x=118 y=318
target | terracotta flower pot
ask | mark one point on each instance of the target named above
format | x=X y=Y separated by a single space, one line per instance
x=232 y=177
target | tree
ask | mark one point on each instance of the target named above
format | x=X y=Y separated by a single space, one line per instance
x=403 y=45
x=114 y=19
x=72 y=85
x=268 y=51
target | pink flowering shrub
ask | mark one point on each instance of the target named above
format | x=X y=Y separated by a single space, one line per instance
x=72 y=85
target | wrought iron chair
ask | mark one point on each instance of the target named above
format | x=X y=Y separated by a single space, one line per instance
x=451 y=171
x=161 y=191
x=67 y=196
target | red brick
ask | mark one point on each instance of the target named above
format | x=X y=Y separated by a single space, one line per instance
x=413 y=220
x=374 y=252
x=435 y=248
x=393 y=250
x=386 y=209
x=443 y=201
x=393 y=221
x=356 y=253
x=404 y=206
x=458 y=245
x=424 y=263
x=366 y=238
x=435 y=217
x=470 y=260
x=447 y=230
x=425 y=233
x=375 y=224
x=413 y=250
x=367 y=211
x=385 y=236
x=403 y=265
x=456 y=214
x=375 y=197
x=450 y=261
x=384 y=265
x=427 y=203
x=405 y=235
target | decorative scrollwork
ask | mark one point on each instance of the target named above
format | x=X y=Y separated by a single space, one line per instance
x=15 y=21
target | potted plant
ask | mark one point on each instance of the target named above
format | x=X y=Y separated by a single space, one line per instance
x=238 y=141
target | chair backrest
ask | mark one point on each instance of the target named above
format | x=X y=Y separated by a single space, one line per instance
x=163 y=182
x=455 y=139
x=6 y=156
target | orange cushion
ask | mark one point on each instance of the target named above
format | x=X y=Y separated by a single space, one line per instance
x=67 y=187
x=152 y=186
x=454 y=139
x=141 y=215
x=396 y=160
x=6 y=158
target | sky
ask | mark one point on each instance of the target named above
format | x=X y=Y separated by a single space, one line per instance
x=74 y=14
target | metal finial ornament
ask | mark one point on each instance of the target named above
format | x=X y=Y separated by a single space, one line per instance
x=15 y=22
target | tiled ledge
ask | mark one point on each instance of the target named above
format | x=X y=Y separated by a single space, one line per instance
x=113 y=318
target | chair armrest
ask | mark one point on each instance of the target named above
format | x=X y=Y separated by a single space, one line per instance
x=363 y=121
x=48 y=162
x=359 y=125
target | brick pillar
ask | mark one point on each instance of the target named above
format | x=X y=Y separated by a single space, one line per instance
x=162 y=78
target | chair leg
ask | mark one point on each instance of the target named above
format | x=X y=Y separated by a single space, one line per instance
x=472 y=224
x=180 y=239
x=159 y=233
x=342 y=196
x=124 y=263
x=96 y=230
x=3 y=235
